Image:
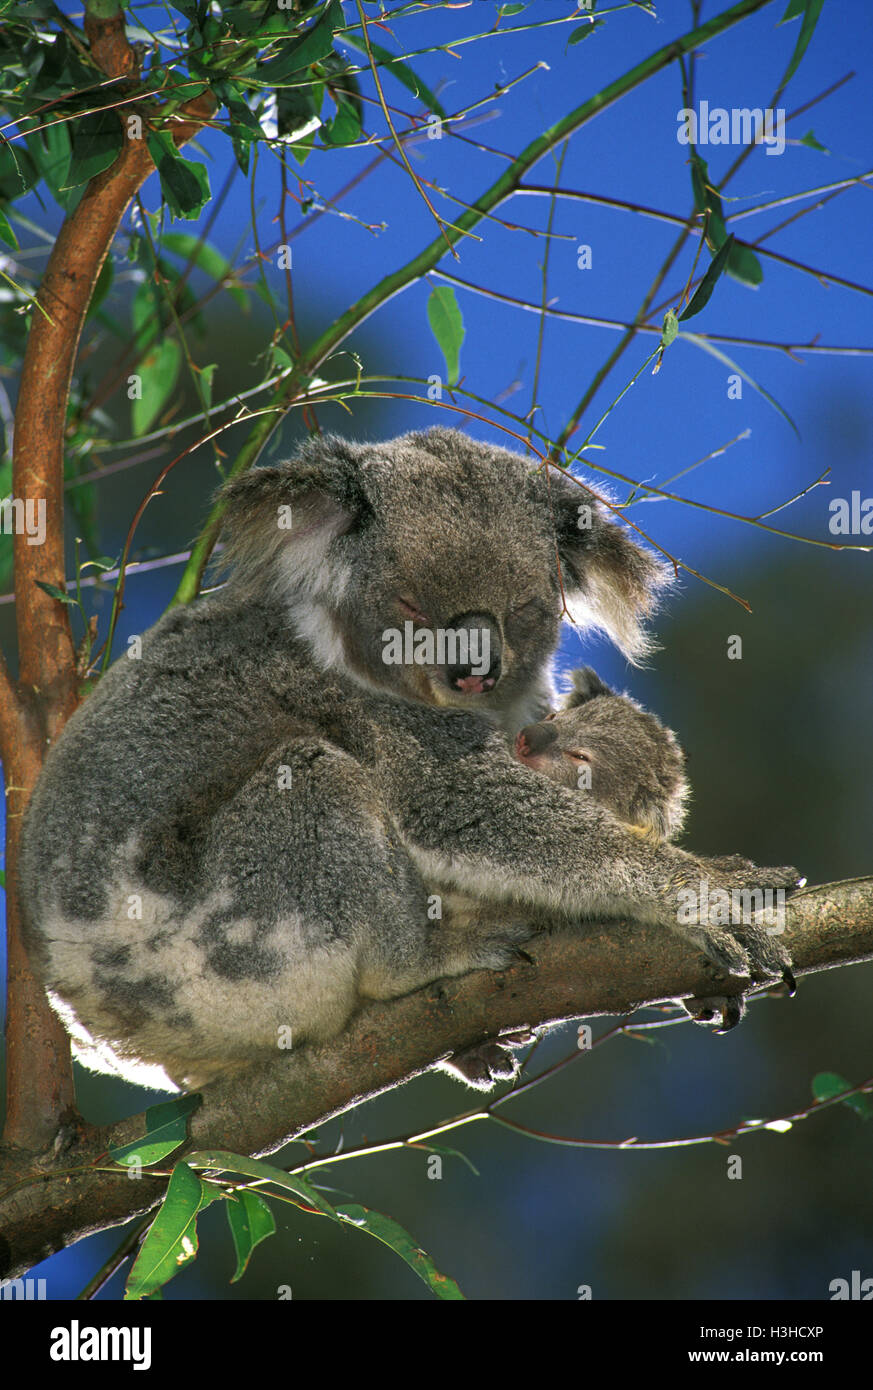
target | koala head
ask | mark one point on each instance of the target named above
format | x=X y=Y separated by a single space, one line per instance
x=432 y=566
x=606 y=744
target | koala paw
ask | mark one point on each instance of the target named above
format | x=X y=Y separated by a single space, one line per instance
x=500 y=949
x=734 y=912
x=487 y=1063
x=721 y=1012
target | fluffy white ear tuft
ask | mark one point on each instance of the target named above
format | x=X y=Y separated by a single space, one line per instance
x=279 y=524
x=610 y=581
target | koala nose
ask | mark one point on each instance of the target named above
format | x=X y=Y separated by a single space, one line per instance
x=535 y=739
x=475 y=653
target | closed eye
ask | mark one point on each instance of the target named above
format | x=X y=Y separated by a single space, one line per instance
x=525 y=608
x=412 y=612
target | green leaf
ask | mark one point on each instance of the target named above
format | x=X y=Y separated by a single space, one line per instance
x=256 y=1168
x=97 y=140
x=206 y=258
x=399 y=1240
x=810 y=141
x=167 y=1123
x=184 y=184
x=505 y=11
x=2 y=878
x=707 y=200
x=402 y=71
x=447 y=327
x=6 y=232
x=670 y=329
x=345 y=127
x=159 y=372
x=720 y=356
x=50 y=149
x=584 y=33
x=315 y=44
x=54 y=592
x=250 y=1221
x=811 y=12
x=171 y=1242
x=829 y=1083
x=743 y=265
x=206 y=374
x=704 y=290
x=102 y=562
x=18 y=170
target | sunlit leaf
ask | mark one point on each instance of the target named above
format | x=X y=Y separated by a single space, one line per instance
x=166 y=1123
x=171 y=1242
x=447 y=327
x=670 y=329
x=255 y=1168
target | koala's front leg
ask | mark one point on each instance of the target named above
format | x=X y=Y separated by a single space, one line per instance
x=474 y=820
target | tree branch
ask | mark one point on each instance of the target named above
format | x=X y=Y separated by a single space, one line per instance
x=39 y=1079
x=597 y=969
x=451 y=233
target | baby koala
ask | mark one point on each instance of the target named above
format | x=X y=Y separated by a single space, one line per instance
x=606 y=745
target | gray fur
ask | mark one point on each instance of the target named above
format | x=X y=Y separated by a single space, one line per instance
x=635 y=765
x=185 y=905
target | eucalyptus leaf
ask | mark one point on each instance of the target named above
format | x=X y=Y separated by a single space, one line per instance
x=184 y=184
x=447 y=326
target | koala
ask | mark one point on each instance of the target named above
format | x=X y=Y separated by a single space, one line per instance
x=238 y=832
x=609 y=745
x=629 y=761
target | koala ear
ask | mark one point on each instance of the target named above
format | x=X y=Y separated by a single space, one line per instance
x=279 y=522
x=586 y=685
x=610 y=581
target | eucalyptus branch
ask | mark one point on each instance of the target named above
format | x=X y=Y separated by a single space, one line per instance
x=426 y=259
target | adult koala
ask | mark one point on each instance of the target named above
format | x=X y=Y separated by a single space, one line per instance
x=238 y=832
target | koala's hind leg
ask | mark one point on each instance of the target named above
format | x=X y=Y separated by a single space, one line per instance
x=324 y=905
x=431 y=949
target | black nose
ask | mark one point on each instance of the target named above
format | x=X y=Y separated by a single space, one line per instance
x=539 y=738
x=474 y=653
